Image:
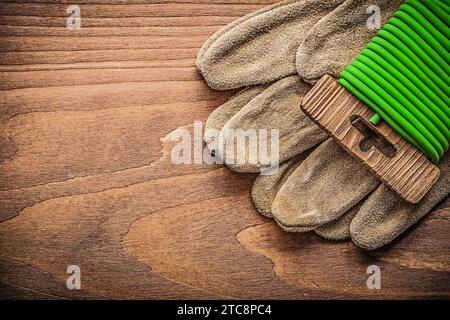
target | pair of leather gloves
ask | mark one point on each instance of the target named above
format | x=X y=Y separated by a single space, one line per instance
x=275 y=54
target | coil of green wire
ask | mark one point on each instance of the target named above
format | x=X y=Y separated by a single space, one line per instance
x=403 y=75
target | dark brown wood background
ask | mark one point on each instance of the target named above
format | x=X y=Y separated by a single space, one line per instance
x=86 y=176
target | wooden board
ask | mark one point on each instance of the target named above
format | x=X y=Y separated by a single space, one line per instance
x=86 y=177
x=404 y=169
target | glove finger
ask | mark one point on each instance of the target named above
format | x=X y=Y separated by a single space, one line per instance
x=325 y=186
x=266 y=187
x=340 y=228
x=293 y=229
x=231 y=26
x=261 y=48
x=384 y=216
x=338 y=38
x=225 y=112
x=277 y=108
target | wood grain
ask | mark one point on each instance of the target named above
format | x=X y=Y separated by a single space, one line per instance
x=86 y=176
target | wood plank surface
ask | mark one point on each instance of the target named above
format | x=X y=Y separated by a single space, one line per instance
x=86 y=176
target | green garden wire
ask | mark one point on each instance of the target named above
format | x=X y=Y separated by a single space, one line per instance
x=403 y=75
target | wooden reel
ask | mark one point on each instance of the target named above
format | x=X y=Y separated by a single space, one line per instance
x=397 y=163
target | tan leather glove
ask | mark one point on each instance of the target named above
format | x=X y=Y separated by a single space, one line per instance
x=324 y=189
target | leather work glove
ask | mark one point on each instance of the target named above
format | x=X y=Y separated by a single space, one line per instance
x=274 y=54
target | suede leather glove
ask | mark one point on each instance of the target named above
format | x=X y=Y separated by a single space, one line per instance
x=319 y=188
